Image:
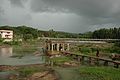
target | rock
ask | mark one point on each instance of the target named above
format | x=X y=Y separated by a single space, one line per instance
x=46 y=75
x=13 y=77
x=39 y=74
x=5 y=67
x=67 y=63
x=37 y=53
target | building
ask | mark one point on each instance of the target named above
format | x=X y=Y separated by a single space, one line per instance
x=7 y=35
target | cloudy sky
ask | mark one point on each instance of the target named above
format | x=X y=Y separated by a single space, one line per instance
x=61 y=15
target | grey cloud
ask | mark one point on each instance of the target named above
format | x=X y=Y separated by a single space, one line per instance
x=2 y=19
x=42 y=6
x=65 y=15
x=1 y=11
x=95 y=10
x=18 y=3
x=11 y=15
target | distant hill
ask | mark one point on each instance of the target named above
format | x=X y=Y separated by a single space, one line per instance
x=25 y=33
x=29 y=32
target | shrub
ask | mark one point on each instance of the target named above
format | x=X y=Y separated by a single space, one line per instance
x=117 y=44
x=85 y=50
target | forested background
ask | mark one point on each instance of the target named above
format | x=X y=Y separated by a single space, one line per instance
x=25 y=33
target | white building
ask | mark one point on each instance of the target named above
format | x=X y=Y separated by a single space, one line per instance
x=7 y=35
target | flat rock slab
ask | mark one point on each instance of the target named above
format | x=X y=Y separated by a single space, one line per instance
x=46 y=75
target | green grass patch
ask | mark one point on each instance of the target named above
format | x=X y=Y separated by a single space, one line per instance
x=61 y=59
x=27 y=71
x=99 y=73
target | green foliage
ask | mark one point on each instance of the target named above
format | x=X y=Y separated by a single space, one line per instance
x=12 y=43
x=1 y=39
x=61 y=59
x=27 y=37
x=24 y=32
x=112 y=33
x=27 y=71
x=93 y=49
x=99 y=73
x=115 y=50
x=85 y=35
x=85 y=50
x=117 y=44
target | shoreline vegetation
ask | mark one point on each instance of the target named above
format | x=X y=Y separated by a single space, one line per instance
x=26 y=33
x=44 y=72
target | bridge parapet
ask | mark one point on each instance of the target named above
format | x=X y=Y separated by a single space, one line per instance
x=52 y=45
x=81 y=57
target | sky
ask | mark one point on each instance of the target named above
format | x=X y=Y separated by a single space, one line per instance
x=76 y=16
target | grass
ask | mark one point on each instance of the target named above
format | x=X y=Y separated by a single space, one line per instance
x=60 y=60
x=27 y=71
x=91 y=49
x=99 y=73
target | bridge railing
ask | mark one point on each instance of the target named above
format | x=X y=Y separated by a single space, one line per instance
x=81 y=58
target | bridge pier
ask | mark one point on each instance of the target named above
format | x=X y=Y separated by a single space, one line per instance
x=106 y=63
x=116 y=65
x=90 y=60
x=57 y=46
x=68 y=46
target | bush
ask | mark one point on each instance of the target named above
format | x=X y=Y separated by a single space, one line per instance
x=86 y=50
x=13 y=43
x=27 y=71
x=117 y=44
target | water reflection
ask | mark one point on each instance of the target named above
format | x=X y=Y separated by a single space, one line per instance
x=11 y=56
x=6 y=52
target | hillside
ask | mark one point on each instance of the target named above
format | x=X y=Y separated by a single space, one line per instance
x=32 y=33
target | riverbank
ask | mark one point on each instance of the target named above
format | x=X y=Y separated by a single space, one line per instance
x=45 y=72
x=29 y=72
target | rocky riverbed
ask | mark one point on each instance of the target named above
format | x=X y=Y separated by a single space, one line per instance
x=28 y=72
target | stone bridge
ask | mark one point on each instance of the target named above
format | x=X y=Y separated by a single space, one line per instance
x=63 y=44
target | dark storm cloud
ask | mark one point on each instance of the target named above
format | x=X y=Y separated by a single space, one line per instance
x=43 y=6
x=65 y=15
x=2 y=19
x=18 y=3
x=1 y=8
x=16 y=14
x=1 y=11
x=98 y=11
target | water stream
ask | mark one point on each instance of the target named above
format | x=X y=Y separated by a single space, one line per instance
x=12 y=56
x=8 y=57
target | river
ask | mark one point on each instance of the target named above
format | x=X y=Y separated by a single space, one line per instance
x=13 y=56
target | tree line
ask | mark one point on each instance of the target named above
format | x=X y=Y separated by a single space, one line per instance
x=25 y=33
x=112 y=33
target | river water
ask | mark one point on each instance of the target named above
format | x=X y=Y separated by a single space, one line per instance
x=12 y=56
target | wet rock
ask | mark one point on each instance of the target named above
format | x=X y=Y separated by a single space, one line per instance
x=46 y=75
x=37 y=53
x=13 y=77
x=5 y=67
